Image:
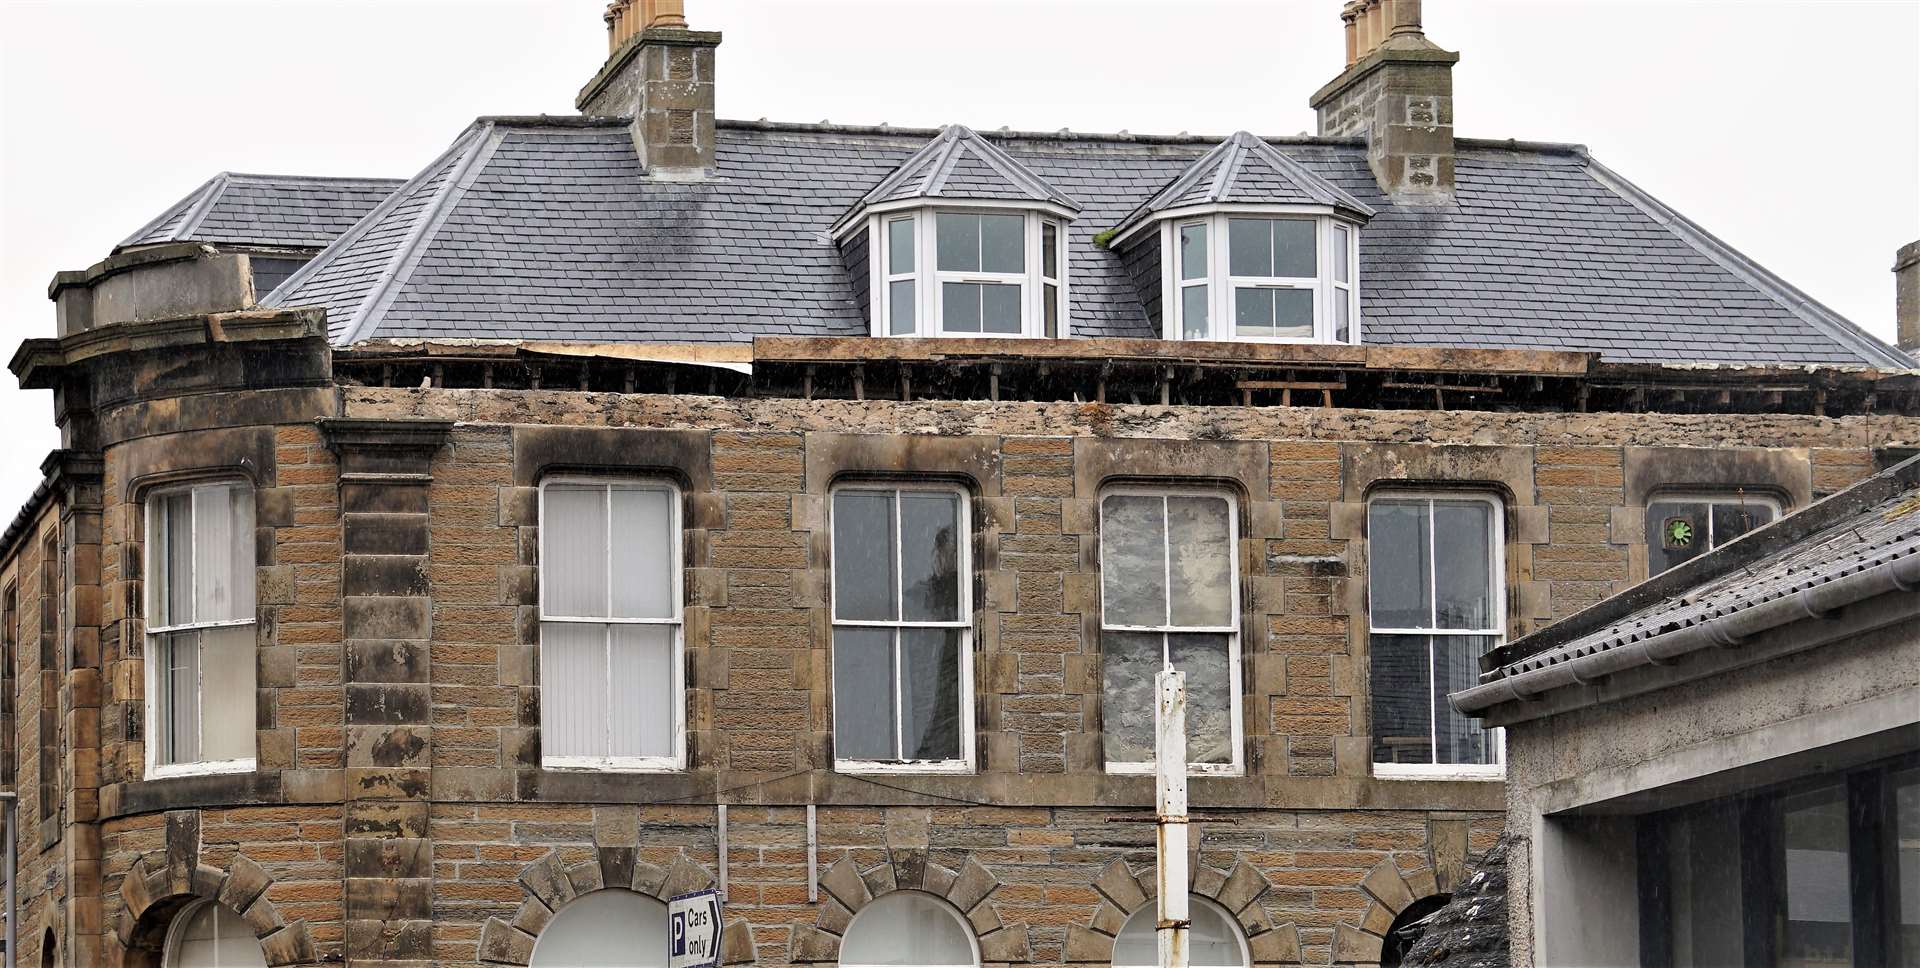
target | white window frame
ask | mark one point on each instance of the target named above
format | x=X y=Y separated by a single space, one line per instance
x=170 y=948
x=929 y=278
x=964 y=622
x=1733 y=496
x=1222 y=284
x=1148 y=915
x=156 y=770
x=1237 y=765
x=677 y=760
x=1497 y=559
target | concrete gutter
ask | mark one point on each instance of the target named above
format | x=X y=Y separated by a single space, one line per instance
x=1726 y=631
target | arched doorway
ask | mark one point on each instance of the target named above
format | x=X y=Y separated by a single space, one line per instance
x=909 y=928
x=1408 y=927
x=1214 y=939
x=605 y=929
x=209 y=934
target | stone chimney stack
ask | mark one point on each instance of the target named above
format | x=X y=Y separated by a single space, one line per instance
x=1906 y=281
x=660 y=74
x=1397 y=93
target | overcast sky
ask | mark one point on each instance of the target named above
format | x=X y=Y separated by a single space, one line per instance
x=1790 y=129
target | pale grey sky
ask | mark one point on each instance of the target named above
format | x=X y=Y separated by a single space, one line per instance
x=1789 y=129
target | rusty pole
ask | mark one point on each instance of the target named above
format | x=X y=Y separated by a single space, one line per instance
x=1170 y=804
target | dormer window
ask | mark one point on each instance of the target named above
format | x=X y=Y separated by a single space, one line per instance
x=1251 y=245
x=969 y=272
x=1265 y=277
x=961 y=240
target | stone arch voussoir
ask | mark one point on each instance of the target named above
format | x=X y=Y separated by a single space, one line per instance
x=1390 y=889
x=846 y=889
x=161 y=885
x=1124 y=891
x=550 y=885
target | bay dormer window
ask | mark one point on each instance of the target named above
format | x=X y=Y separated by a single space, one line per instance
x=1274 y=277
x=969 y=272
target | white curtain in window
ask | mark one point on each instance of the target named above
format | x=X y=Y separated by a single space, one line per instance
x=1213 y=941
x=605 y=929
x=213 y=936
x=201 y=606
x=908 y=928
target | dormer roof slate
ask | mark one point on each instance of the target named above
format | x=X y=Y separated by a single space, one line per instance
x=291 y=211
x=957 y=165
x=1245 y=170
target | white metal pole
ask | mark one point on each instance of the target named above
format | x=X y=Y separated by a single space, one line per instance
x=1170 y=803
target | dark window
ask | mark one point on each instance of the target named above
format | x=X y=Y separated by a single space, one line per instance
x=9 y=642
x=1820 y=872
x=1682 y=528
x=50 y=669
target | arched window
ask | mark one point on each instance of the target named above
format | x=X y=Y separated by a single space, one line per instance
x=909 y=928
x=605 y=929
x=1213 y=941
x=210 y=935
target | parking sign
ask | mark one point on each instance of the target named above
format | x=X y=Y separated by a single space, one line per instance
x=693 y=936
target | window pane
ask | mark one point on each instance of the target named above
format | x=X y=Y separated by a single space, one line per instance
x=644 y=549
x=863 y=556
x=1208 y=664
x=1463 y=570
x=1129 y=661
x=930 y=694
x=1253 y=311
x=1397 y=677
x=906 y=928
x=900 y=307
x=1456 y=666
x=179 y=705
x=176 y=530
x=573 y=689
x=1133 y=567
x=1193 y=312
x=1003 y=243
x=1201 y=567
x=1249 y=247
x=216 y=936
x=226 y=687
x=1734 y=519
x=1050 y=308
x=1294 y=248
x=960 y=309
x=1342 y=242
x=222 y=574
x=930 y=537
x=900 y=246
x=1193 y=251
x=1342 y=316
x=1906 y=831
x=1213 y=939
x=605 y=929
x=863 y=699
x=958 y=238
x=1676 y=533
x=1398 y=565
x=1818 y=926
x=574 y=544
x=1703 y=883
x=1292 y=313
x=1049 y=250
x=641 y=674
x=1000 y=309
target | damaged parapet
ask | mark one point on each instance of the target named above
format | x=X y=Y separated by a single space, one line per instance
x=155 y=282
x=661 y=75
x=1397 y=93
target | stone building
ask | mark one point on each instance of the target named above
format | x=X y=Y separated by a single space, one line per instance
x=1722 y=765
x=639 y=501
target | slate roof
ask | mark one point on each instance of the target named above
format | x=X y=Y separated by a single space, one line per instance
x=1873 y=524
x=548 y=228
x=959 y=165
x=1246 y=170
x=294 y=211
x=1471 y=930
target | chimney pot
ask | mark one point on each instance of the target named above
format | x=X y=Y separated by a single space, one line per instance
x=1906 y=277
x=1376 y=24
x=1406 y=18
x=668 y=13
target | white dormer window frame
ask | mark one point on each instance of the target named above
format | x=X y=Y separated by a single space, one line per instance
x=910 y=285
x=1200 y=289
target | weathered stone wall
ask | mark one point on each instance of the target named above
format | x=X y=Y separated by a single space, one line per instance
x=460 y=826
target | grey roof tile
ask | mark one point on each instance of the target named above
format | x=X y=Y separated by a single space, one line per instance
x=295 y=211
x=550 y=229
